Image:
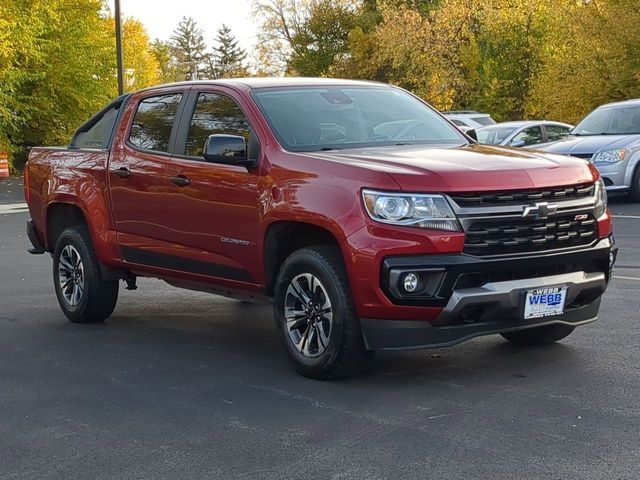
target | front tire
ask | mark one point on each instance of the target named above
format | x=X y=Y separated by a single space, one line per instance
x=83 y=295
x=316 y=317
x=539 y=335
x=634 y=193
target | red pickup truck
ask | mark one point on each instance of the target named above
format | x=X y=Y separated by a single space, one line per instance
x=368 y=219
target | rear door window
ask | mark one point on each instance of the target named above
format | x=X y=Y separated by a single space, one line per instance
x=556 y=132
x=153 y=122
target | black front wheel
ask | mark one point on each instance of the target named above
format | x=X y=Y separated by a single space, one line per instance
x=316 y=316
x=634 y=192
x=82 y=293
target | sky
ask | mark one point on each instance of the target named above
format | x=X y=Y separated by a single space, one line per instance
x=160 y=17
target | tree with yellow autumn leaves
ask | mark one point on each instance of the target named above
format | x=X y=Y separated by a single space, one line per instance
x=515 y=59
x=57 y=67
x=554 y=59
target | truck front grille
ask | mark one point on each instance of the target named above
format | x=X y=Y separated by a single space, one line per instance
x=499 y=236
x=518 y=197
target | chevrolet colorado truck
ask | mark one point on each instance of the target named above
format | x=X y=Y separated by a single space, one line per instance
x=365 y=217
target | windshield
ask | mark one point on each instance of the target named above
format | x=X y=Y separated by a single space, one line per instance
x=610 y=121
x=325 y=118
x=493 y=136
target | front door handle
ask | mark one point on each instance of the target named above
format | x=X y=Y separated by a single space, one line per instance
x=122 y=172
x=180 y=181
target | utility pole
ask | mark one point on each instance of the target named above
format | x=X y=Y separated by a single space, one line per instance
x=119 y=48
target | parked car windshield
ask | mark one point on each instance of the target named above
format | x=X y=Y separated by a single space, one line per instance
x=610 y=121
x=325 y=118
x=493 y=136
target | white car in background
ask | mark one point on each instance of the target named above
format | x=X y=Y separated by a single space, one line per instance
x=524 y=133
x=469 y=119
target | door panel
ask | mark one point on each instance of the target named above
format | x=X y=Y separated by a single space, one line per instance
x=138 y=174
x=213 y=214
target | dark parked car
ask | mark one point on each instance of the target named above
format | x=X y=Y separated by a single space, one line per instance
x=522 y=133
x=610 y=138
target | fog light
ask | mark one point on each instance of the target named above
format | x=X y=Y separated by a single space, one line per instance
x=410 y=282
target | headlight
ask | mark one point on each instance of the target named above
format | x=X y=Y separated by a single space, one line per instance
x=424 y=211
x=609 y=156
x=601 y=199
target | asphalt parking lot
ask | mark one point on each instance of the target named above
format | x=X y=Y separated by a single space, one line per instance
x=183 y=385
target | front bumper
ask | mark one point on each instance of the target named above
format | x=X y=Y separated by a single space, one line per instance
x=614 y=175
x=495 y=304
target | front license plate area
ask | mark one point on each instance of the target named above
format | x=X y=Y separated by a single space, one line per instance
x=544 y=302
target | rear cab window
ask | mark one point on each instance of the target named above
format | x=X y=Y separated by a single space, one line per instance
x=154 y=121
x=97 y=132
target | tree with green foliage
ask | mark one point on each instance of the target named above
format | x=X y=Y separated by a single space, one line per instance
x=279 y=22
x=189 y=49
x=324 y=38
x=167 y=64
x=305 y=37
x=58 y=67
x=140 y=63
x=56 y=57
x=227 y=58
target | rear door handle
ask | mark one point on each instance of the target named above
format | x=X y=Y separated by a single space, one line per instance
x=122 y=172
x=180 y=181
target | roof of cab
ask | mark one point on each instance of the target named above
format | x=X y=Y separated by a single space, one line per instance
x=270 y=82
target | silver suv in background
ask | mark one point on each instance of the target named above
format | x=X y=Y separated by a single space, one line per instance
x=468 y=119
x=609 y=137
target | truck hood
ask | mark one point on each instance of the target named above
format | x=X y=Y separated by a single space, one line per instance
x=466 y=168
x=588 y=145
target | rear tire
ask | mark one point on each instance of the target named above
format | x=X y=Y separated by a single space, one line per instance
x=634 y=193
x=316 y=316
x=83 y=295
x=539 y=335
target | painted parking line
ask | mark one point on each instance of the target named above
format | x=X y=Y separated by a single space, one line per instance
x=636 y=217
x=621 y=277
x=13 y=208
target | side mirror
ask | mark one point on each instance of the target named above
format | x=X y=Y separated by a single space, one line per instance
x=472 y=133
x=517 y=143
x=227 y=149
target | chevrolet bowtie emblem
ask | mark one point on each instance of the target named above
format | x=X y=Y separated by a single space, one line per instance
x=539 y=210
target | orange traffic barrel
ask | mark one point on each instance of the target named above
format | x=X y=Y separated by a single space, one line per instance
x=4 y=164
